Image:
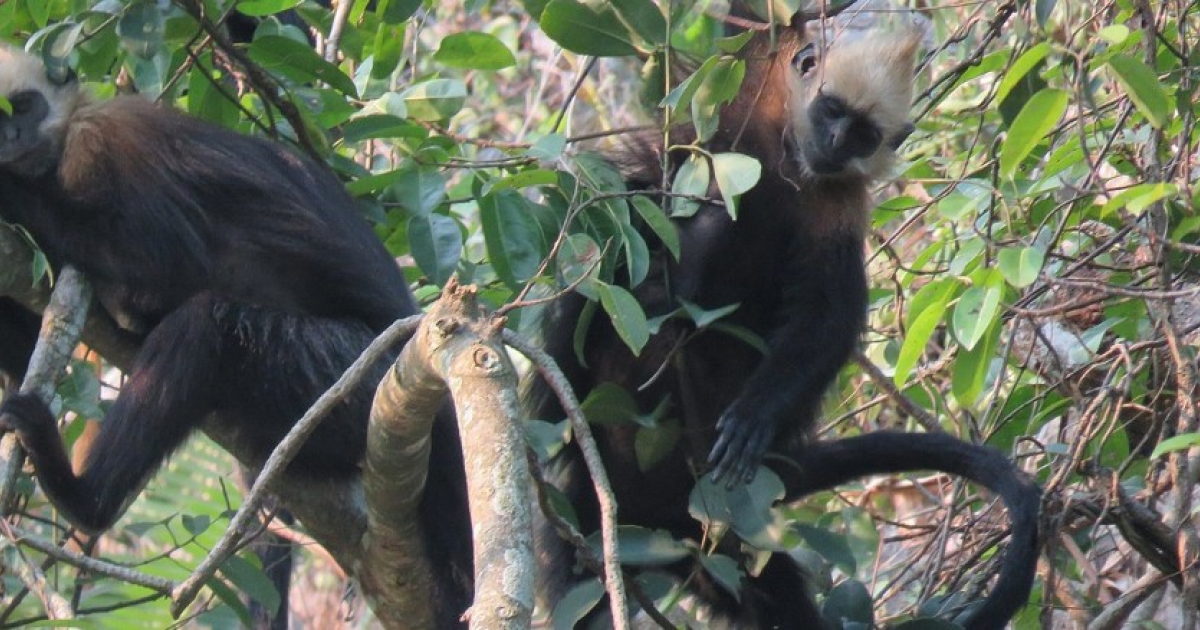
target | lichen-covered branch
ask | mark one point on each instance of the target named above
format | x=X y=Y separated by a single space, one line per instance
x=457 y=349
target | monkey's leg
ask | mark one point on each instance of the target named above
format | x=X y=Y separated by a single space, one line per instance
x=18 y=334
x=169 y=390
x=276 y=364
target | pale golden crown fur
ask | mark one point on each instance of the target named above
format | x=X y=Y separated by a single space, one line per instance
x=872 y=73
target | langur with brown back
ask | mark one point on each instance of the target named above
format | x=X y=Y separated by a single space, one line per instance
x=824 y=119
x=246 y=270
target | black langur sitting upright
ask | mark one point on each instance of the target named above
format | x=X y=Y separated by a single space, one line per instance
x=824 y=118
x=248 y=272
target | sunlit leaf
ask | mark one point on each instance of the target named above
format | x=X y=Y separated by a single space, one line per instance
x=1031 y=126
x=1143 y=88
x=474 y=50
x=581 y=29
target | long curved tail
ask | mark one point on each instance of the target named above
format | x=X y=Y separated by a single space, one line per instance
x=825 y=465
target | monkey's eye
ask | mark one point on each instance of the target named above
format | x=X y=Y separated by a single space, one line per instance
x=805 y=60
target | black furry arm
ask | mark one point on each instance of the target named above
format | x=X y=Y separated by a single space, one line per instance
x=823 y=315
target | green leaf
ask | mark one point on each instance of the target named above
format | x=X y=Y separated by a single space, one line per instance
x=39 y=10
x=1037 y=118
x=1023 y=64
x=704 y=318
x=580 y=29
x=725 y=571
x=299 y=62
x=735 y=174
x=657 y=221
x=681 y=96
x=1137 y=198
x=511 y=236
x=231 y=598
x=721 y=84
x=637 y=255
x=387 y=51
x=849 y=601
x=548 y=147
x=974 y=313
x=609 y=404
x=419 y=190
x=732 y=44
x=251 y=580
x=644 y=547
x=379 y=126
x=5 y=106
x=580 y=256
x=141 y=29
x=747 y=509
x=1143 y=88
x=830 y=546
x=396 y=11
x=692 y=178
x=653 y=444
x=925 y=319
x=577 y=603
x=435 y=99
x=1021 y=265
x=474 y=50
x=970 y=371
x=1180 y=442
x=1114 y=34
x=1042 y=10
x=528 y=178
x=626 y=315
x=263 y=8
x=436 y=243
x=642 y=17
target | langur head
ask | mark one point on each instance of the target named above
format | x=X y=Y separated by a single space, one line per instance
x=31 y=135
x=849 y=97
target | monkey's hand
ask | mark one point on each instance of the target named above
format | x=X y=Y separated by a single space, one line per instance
x=29 y=417
x=742 y=441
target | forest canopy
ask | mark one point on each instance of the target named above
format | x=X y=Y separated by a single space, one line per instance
x=1032 y=261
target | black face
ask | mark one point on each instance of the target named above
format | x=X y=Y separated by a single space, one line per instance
x=839 y=135
x=19 y=130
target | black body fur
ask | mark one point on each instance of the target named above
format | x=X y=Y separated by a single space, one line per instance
x=793 y=262
x=255 y=283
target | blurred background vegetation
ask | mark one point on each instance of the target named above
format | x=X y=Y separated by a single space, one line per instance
x=1033 y=263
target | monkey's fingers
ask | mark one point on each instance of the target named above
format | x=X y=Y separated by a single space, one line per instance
x=739 y=450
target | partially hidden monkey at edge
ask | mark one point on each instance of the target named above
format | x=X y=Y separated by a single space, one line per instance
x=824 y=118
x=248 y=273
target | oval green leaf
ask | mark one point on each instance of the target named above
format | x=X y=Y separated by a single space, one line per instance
x=436 y=244
x=626 y=315
x=1143 y=88
x=579 y=29
x=974 y=313
x=1037 y=118
x=1021 y=265
x=735 y=174
x=475 y=51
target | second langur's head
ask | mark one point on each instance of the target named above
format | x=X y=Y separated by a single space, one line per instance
x=849 y=101
x=31 y=133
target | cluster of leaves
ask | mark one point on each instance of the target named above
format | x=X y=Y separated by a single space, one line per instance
x=1051 y=164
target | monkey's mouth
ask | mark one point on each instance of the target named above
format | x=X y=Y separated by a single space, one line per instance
x=811 y=162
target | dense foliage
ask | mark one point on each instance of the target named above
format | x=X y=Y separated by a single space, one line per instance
x=1033 y=264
